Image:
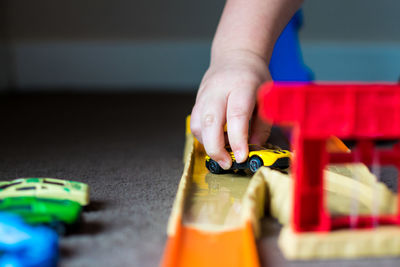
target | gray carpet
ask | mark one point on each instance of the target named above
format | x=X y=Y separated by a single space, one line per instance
x=128 y=148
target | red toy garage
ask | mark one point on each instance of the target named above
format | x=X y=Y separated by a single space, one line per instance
x=361 y=112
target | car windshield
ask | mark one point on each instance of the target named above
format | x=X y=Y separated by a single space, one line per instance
x=8 y=185
x=56 y=201
x=52 y=182
x=26 y=188
x=256 y=147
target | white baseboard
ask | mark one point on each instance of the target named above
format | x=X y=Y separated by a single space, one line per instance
x=353 y=61
x=177 y=65
x=111 y=65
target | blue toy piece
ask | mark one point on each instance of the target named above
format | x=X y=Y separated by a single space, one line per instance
x=25 y=246
x=286 y=62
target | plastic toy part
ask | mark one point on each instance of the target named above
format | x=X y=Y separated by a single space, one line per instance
x=345 y=243
x=23 y=245
x=339 y=188
x=214 y=219
x=272 y=157
x=361 y=112
x=286 y=62
x=197 y=248
x=52 y=212
x=46 y=188
x=320 y=110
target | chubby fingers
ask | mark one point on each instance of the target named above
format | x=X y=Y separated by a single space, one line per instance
x=195 y=123
x=207 y=125
x=239 y=111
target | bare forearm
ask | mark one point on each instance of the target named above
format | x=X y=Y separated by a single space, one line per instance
x=252 y=26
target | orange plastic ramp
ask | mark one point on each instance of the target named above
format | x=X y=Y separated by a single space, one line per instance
x=196 y=248
x=213 y=219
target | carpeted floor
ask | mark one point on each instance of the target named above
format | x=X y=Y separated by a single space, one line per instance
x=128 y=148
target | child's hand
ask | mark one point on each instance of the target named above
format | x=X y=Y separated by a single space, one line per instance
x=241 y=50
x=227 y=94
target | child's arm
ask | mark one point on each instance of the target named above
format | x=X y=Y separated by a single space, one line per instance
x=240 y=54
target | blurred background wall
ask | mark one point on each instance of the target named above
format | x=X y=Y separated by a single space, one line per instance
x=4 y=64
x=158 y=44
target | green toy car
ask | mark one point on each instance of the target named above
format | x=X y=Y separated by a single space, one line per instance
x=46 y=188
x=53 y=212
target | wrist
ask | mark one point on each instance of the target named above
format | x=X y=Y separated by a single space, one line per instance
x=240 y=59
x=234 y=53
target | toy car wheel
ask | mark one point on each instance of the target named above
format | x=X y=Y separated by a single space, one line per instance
x=214 y=167
x=255 y=163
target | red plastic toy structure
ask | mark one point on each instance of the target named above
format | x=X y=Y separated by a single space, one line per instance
x=361 y=112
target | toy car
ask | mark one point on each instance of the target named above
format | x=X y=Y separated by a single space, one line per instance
x=46 y=188
x=52 y=212
x=272 y=157
x=23 y=245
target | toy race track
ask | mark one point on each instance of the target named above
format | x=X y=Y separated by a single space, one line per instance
x=329 y=189
x=212 y=215
x=215 y=217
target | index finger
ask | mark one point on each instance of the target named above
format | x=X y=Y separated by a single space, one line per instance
x=212 y=132
x=240 y=108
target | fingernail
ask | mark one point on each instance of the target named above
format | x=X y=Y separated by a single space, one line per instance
x=224 y=164
x=239 y=156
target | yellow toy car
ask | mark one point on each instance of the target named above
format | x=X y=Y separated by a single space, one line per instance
x=46 y=188
x=272 y=157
